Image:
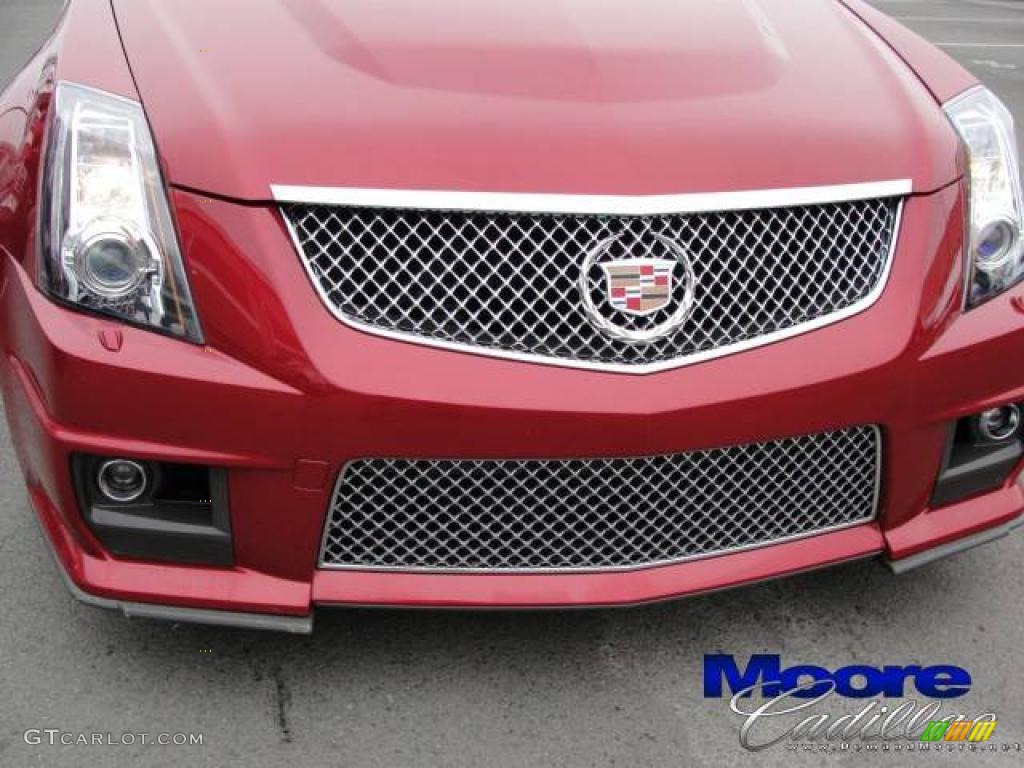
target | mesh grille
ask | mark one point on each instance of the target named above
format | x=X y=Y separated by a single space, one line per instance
x=598 y=513
x=511 y=283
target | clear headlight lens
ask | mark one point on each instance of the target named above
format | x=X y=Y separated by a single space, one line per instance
x=995 y=238
x=107 y=240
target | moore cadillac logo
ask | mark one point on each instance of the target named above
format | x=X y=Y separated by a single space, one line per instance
x=856 y=707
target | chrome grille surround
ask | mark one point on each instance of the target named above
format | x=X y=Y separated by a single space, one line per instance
x=507 y=283
x=603 y=514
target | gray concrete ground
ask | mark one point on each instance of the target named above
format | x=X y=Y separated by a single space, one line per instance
x=601 y=688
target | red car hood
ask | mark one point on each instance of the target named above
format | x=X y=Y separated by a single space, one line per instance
x=564 y=96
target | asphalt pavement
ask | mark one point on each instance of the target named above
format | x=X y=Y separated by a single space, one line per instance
x=582 y=688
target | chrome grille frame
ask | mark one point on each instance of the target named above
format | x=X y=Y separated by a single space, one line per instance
x=861 y=432
x=595 y=205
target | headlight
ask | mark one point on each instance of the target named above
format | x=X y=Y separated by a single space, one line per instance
x=995 y=239
x=107 y=240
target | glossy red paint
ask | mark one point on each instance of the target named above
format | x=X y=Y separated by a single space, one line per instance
x=565 y=96
x=282 y=395
x=938 y=71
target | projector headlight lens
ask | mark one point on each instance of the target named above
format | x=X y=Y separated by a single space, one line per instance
x=110 y=260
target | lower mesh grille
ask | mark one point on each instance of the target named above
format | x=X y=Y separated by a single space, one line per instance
x=501 y=515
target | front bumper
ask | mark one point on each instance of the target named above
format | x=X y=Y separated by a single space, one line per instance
x=284 y=395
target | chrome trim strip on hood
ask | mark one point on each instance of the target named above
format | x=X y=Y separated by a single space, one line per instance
x=596 y=205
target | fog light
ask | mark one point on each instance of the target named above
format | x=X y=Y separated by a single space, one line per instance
x=998 y=423
x=122 y=480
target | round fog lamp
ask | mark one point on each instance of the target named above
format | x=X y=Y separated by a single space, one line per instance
x=122 y=480
x=999 y=423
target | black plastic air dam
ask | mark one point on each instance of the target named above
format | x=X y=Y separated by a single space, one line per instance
x=182 y=517
x=971 y=467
